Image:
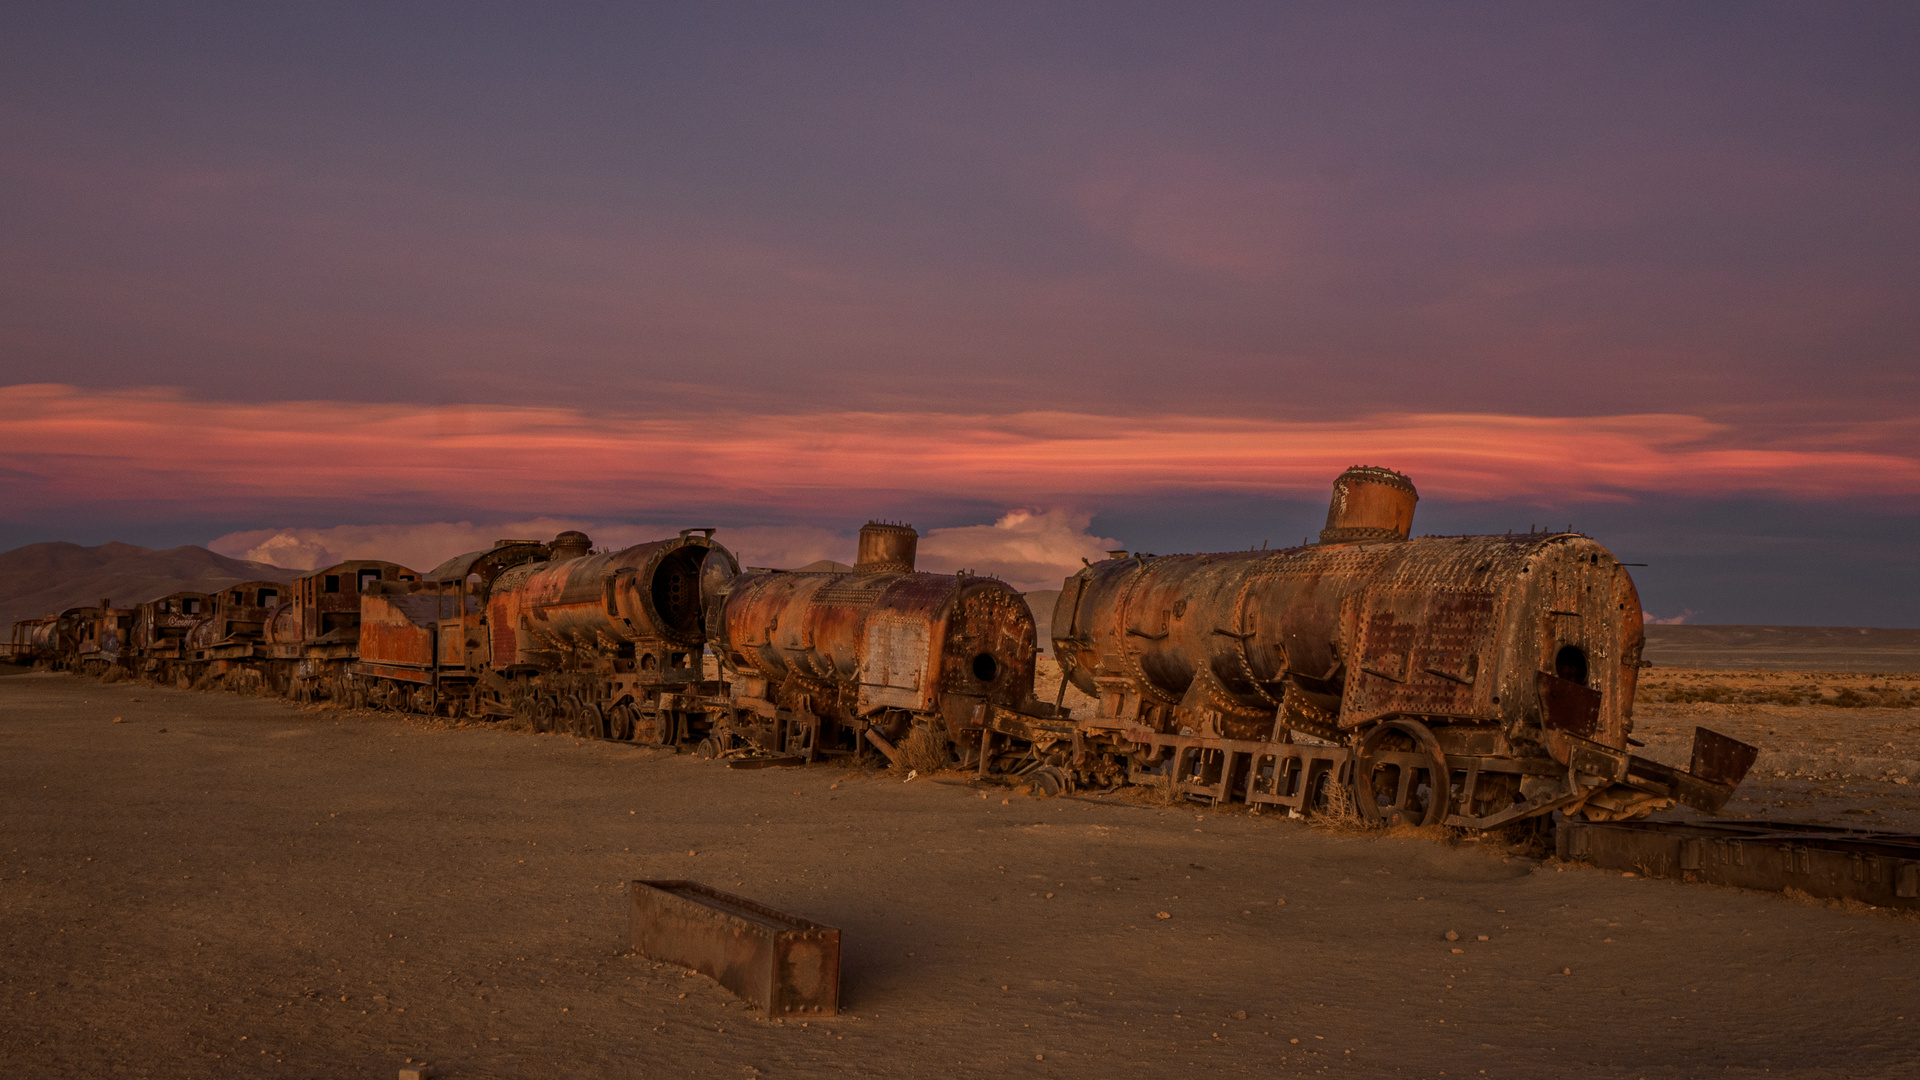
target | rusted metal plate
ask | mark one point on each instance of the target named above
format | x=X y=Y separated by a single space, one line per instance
x=1718 y=759
x=1420 y=652
x=785 y=964
x=896 y=660
x=1837 y=864
x=1568 y=706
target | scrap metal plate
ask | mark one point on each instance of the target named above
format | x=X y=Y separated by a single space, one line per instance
x=784 y=964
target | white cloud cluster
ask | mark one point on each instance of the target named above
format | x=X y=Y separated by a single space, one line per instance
x=1674 y=620
x=425 y=546
x=1029 y=549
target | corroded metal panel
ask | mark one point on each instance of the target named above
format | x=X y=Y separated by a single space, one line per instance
x=391 y=633
x=895 y=670
x=1420 y=653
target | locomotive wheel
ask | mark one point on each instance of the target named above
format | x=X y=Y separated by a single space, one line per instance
x=709 y=748
x=656 y=729
x=593 y=721
x=543 y=713
x=1400 y=772
x=1050 y=780
x=620 y=720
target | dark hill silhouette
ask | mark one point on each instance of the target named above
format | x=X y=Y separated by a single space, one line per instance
x=41 y=579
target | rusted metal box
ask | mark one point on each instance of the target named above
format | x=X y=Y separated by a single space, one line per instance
x=782 y=963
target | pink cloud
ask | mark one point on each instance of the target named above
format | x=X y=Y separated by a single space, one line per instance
x=69 y=446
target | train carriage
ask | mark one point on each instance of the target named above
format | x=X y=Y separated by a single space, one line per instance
x=35 y=640
x=324 y=613
x=160 y=631
x=428 y=650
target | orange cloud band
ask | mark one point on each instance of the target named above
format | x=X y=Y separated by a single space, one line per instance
x=69 y=445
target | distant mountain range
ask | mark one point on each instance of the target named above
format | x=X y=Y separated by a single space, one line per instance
x=1788 y=648
x=43 y=579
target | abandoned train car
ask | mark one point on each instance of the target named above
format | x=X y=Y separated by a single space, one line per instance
x=830 y=663
x=1470 y=680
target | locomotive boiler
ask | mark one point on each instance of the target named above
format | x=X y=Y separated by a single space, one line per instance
x=822 y=663
x=1466 y=680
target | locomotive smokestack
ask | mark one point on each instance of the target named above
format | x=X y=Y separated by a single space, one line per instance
x=1370 y=503
x=571 y=544
x=885 y=547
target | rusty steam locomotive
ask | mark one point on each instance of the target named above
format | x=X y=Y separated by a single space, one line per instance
x=1472 y=681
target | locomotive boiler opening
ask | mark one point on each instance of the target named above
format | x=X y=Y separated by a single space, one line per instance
x=985 y=667
x=676 y=588
x=1570 y=663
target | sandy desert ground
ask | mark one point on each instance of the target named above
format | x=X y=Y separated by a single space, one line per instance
x=223 y=886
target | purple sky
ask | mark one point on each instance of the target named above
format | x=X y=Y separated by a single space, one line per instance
x=1242 y=211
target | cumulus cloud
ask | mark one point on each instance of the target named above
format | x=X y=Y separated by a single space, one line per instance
x=1026 y=548
x=425 y=546
x=1672 y=620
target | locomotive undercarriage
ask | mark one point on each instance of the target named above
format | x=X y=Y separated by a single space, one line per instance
x=1399 y=770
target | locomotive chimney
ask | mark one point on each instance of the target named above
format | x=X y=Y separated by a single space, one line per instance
x=885 y=547
x=571 y=544
x=1370 y=503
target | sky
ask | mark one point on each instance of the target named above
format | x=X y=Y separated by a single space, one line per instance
x=304 y=282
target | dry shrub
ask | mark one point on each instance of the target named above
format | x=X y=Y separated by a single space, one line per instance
x=1846 y=697
x=1166 y=790
x=1339 y=810
x=925 y=749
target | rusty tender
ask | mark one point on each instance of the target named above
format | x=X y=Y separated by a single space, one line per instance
x=1471 y=681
